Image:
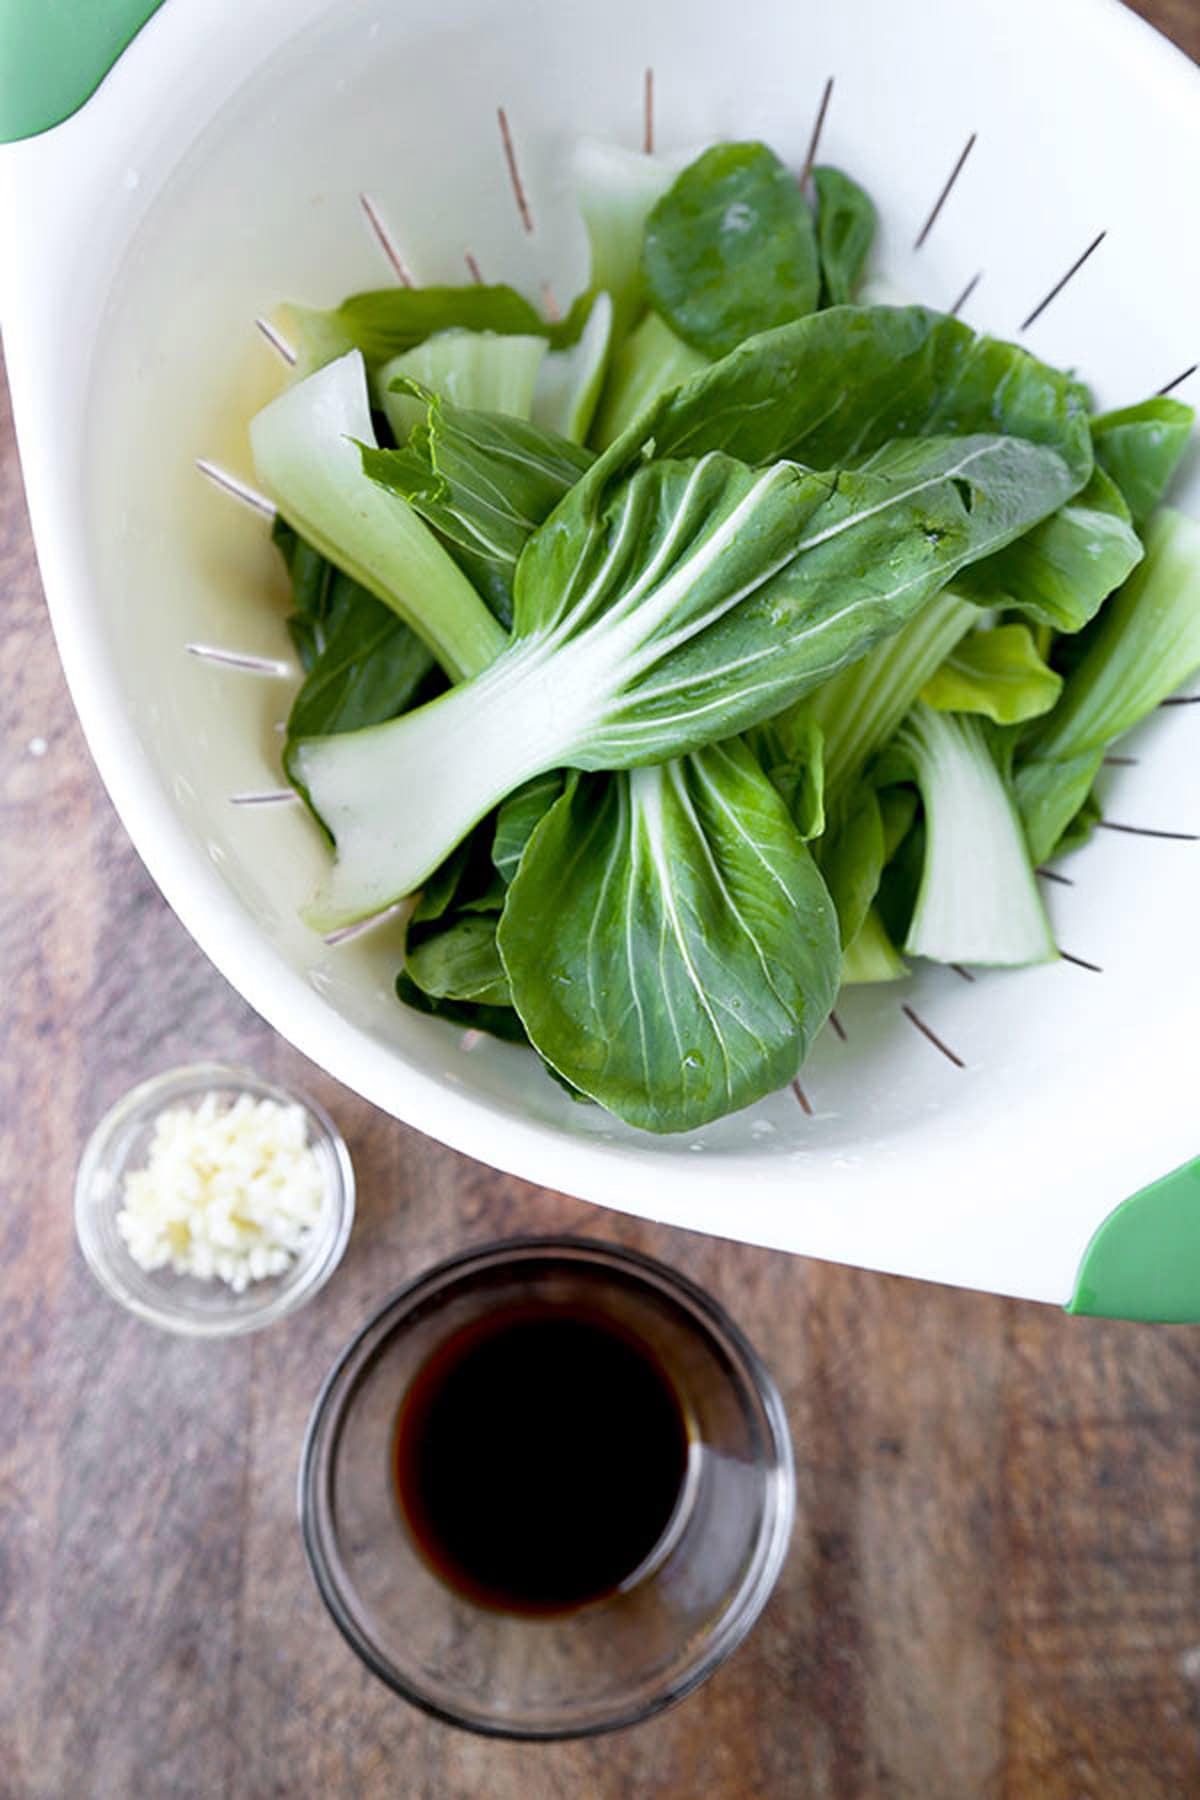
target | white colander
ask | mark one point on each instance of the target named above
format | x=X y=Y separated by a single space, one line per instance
x=217 y=170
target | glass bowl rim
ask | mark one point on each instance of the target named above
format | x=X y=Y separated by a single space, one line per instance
x=772 y=1540
x=177 y=1083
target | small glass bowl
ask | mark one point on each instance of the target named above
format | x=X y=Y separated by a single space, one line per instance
x=184 y=1303
x=626 y=1655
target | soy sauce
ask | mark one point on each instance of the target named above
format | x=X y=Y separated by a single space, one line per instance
x=539 y=1456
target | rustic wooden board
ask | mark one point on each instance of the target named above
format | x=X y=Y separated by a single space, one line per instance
x=992 y=1589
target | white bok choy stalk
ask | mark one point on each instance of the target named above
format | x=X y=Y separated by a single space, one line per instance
x=305 y=446
x=978 y=900
x=570 y=379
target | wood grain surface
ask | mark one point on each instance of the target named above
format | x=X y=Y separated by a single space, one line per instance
x=992 y=1589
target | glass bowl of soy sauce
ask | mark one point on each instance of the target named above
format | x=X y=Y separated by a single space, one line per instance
x=547 y=1489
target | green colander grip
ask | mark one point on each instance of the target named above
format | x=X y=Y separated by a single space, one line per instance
x=55 y=53
x=1144 y=1261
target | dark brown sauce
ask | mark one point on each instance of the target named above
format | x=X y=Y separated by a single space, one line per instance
x=539 y=1457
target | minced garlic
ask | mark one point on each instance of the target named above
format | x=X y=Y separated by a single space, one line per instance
x=229 y=1191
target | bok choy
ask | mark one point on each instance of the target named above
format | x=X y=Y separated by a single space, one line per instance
x=690 y=601
x=721 y=643
x=978 y=900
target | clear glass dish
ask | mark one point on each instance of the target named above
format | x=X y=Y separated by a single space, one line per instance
x=185 y=1303
x=626 y=1655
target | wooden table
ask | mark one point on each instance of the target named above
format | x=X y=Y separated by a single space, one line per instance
x=992 y=1588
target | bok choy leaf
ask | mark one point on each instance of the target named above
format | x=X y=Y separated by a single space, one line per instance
x=841 y=386
x=482 y=482
x=833 y=388
x=305 y=447
x=791 y=752
x=371 y=667
x=387 y=321
x=1140 y=447
x=846 y=222
x=851 y=857
x=362 y=664
x=872 y=957
x=997 y=673
x=518 y=816
x=866 y=829
x=694 y=601
x=695 y=953
x=460 y=963
x=1050 y=794
x=1145 y=643
x=499 y=1021
x=731 y=249
x=1062 y=571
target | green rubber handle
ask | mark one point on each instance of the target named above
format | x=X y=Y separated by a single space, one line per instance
x=1144 y=1261
x=55 y=53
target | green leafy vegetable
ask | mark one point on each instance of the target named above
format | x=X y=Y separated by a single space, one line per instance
x=498 y=1021
x=796 y=573
x=901 y=879
x=851 y=857
x=866 y=827
x=650 y=362
x=371 y=668
x=841 y=386
x=997 y=673
x=1148 y=641
x=858 y=711
x=1140 y=447
x=692 y=604
x=460 y=962
x=846 y=224
x=362 y=663
x=480 y=369
x=791 y=753
x=437 y=895
x=730 y=249
x=1061 y=572
x=483 y=482
x=1145 y=643
x=450 y=950
x=978 y=901
x=388 y=321
x=517 y=817
x=314 y=592
x=696 y=786
x=835 y=387
x=465 y=882
x=695 y=955
x=305 y=452
x=872 y=957
x=898 y=811
x=1080 y=828
x=1050 y=793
